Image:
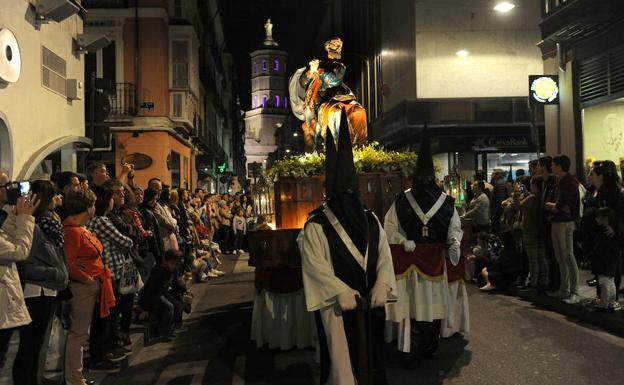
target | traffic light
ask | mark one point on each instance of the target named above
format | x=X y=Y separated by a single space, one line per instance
x=221 y=167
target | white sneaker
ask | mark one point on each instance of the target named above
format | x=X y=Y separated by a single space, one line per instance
x=211 y=274
x=488 y=287
x=218 y=272
x=203 y=277
x=241 y=251
x=572 y=299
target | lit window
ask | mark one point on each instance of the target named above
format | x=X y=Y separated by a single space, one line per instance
x=264 y=101
x=264 y=66
x=277 y=101
x=276 y=66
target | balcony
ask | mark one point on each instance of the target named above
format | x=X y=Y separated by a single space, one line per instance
x=121 y=98
x=571 y=21
x=105 y=3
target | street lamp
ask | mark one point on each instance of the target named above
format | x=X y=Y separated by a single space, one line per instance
x=263 y=199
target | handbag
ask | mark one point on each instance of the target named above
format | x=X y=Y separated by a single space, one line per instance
x=130 y=281
x=171 y=242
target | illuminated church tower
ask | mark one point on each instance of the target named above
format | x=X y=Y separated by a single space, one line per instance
x=270 y=107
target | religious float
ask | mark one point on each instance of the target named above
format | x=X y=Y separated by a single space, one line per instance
x=293 y=187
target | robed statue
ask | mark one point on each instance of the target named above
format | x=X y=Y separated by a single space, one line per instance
x=318 y=95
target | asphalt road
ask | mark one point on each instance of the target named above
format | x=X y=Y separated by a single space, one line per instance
x=511 y=342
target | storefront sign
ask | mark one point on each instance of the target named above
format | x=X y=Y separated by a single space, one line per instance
x=140 y=161
x=544 y=89
x=497 y=143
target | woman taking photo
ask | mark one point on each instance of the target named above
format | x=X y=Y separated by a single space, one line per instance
x=44 y=274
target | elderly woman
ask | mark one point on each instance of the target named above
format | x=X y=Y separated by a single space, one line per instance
x=89 y=281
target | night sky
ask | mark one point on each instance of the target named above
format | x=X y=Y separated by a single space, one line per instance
x=295 y=27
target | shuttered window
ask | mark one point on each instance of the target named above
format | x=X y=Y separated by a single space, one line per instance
x=180 y=62
x=602 y=77
x=53 y=72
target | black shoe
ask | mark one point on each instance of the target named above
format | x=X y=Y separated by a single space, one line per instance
x=592 y=282
x=104 y=367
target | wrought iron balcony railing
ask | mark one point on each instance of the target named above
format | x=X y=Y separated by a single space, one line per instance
x=122 y=100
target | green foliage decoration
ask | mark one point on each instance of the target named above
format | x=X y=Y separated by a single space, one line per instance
x=370 y=157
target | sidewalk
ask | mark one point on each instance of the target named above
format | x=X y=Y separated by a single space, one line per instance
x=232 y=264
x=611 y=322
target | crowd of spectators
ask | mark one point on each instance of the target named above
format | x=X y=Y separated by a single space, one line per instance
x=102 y=253
x=535 y=231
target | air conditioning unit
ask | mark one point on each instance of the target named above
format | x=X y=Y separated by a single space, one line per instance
x=57 y=10
x=75 y=89
x=90 y=42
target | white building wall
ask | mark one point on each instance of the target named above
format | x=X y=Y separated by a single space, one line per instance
x=502 y=48
x=37 y=116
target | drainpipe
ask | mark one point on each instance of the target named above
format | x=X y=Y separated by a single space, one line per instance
x=136 y=56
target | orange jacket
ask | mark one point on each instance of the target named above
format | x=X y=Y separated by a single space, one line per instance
x=84 y=261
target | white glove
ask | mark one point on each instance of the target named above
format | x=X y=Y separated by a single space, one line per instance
x=346 y=299
x=379 y=294
x=409 y=246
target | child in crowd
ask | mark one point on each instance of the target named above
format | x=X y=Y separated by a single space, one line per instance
x=240 y=229
x=604 y=259
x=262 y=223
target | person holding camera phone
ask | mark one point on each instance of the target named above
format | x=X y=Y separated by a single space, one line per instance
x=15 y=241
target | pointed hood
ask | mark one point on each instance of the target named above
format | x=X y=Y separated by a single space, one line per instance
x=424 y=172
x=510 y=174
x=424 y=187
x=341 y=185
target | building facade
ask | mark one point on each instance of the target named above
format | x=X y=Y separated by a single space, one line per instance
x=460 y=67
x=270 y=108
x=41 y=96
x=169 y=88
x=583 y=43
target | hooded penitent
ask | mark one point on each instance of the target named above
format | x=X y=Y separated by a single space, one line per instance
x=510 y=175
x=424 y=187
x=341 y=186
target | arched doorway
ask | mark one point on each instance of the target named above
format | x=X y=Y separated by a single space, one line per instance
x=6 y=148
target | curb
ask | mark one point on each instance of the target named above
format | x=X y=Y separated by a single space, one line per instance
x=610 y=322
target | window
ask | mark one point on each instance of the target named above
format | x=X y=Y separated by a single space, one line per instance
x=177 y=8
x=264 y=101
x=53 y=72
x=180 y=63
x=177 y=105
x=264 y=66
x=174 y=164
x=277 y=101
x=276 y=65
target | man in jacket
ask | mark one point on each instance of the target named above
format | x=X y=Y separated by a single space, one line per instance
x=15 y=242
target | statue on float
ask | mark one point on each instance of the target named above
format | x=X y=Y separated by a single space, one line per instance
x=318 y=95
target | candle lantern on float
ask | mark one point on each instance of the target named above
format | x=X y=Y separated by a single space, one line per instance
x=263 y=199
